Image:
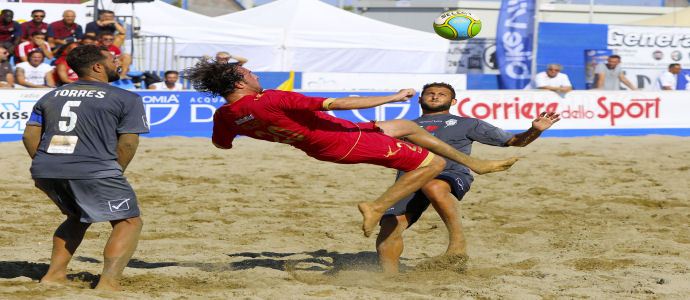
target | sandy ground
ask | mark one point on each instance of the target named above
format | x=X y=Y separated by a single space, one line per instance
x=599 y=218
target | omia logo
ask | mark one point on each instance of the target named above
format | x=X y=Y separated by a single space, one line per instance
x=160 y=107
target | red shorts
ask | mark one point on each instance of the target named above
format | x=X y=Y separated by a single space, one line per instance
x=375 y=147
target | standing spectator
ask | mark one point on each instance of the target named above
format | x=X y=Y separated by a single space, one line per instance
x=81 y=138
x=107 y=39
x=6 y=76
x=36 y=24
x=63 y=73
x=65 y=32
x=224 y=57
x=553 y=79
x=38 y=42
x=10 y=31
x=667 y=80
x=106 y=22
x=610 y=75
x=35 y=73
x=170 y=83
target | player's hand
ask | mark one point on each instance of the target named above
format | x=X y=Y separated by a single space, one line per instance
x=404 y=95
x=545 y=120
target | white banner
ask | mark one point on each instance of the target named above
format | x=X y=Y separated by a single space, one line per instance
x=15 y=108
x=515 y=110
x=376 y=82
x=650 y=46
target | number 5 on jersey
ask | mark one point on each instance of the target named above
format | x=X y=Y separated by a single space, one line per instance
x=65 y=144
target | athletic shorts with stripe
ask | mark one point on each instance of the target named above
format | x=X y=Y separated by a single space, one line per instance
x=416 y=203
x=92 y=200
x=374 y=147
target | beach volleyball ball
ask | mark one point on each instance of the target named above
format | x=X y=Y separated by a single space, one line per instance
x=457 y=25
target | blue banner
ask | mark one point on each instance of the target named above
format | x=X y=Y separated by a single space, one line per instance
x=514 y=40
x=683 y=82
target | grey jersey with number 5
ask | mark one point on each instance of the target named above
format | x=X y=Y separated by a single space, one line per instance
x=460 y=132
x=81 y=122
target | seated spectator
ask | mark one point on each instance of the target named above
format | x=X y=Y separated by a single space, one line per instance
x=65 y=32
x=553 y=79
x=36 y=24
x=38 y=42
x=667 y=81
x=106 y=22
x=88 y=40
x=63 y=73
x=224 y=57
x=107 y=39
x=6 y=76
x=35 y=73
x=170 y=83
x=10 y=31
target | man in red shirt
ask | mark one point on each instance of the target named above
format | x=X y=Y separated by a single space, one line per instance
x=107 y=39
x=36 y=24
x=10 y=31
x=65 y=31
x=299 y=121
x=38 y=40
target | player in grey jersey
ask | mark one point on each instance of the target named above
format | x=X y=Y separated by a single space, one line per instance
x=81 y=138
x=452 y=184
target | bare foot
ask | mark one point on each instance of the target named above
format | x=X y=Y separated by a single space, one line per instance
x=108 y=284
x=56 y=279
x=371 y=217
x=489 y=166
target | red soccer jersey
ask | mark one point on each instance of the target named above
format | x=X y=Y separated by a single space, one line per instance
x=286 y=117
x=29 y=27
x=70 y=73
x=24 y=48
x=7 y=32
x=61 y=31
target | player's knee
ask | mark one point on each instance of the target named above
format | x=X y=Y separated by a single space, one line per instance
x=438 y=162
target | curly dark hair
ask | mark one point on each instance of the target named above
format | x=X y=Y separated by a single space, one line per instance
x=439 y=84
x=212 y=77
x=80 y=59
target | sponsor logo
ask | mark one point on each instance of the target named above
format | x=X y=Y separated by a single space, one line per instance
x=391 y=152
x=503 y=110
x=244 y=119
x=451 y=122
x=118 y=205
x=160 y=105
x=623 y=37
x=13 y=116
x=431 y=128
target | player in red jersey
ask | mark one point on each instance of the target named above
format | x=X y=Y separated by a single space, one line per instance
x=298 y=120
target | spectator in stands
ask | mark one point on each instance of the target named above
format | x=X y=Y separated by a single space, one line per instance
x=88 y=40
x=107 y=39
x=35 y=73
x=225 y=57
x=610 y=75
x=36 y=24
x=106 y=22
x=6 y=76
x=170 y=83
x=10 y=31
x=63 y=73
x=38 y=42
x=668 y=79
x=65 y=32
x=553 y=80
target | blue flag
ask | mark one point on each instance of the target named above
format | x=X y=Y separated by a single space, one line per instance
x=683 y=80
x=514 y=38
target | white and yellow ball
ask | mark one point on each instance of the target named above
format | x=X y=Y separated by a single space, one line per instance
x=457 y=25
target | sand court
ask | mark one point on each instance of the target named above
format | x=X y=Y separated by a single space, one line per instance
x=595 y=217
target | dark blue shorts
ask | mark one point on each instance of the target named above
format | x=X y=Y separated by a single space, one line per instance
x=416 y=203
x=92 y=200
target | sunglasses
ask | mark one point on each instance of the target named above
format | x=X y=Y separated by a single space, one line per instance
x=39 y=16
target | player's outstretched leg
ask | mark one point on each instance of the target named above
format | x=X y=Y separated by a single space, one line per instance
x=409 y=130
x=118 y=250
x=405 y=185
x=66 y=240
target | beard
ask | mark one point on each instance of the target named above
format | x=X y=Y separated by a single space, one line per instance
x=439 y=108
x=113 y=74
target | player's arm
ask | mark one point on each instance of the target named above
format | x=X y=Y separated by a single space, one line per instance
x=127 y=144
x=627 y=82
x=543 y=122
x=600 y=81
x=31 y=138
x=50 y=78
x=45 y=48
x=240 y=60
x=368 y=102
x=61 y=70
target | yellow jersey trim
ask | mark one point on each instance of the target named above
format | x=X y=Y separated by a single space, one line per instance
x=426 y=161
x=354 y=145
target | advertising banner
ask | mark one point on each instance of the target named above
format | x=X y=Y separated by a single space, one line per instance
x=651 y=47
x=514 y=41
x=473 y=56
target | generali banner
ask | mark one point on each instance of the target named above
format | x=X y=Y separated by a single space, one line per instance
x=650 y=46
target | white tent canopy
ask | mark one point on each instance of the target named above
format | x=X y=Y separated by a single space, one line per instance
x=321 y=37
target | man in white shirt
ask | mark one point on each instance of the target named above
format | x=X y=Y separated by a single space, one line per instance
x=668 y=79
x=553 y=79
x=170 y=83
x=35 y=73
